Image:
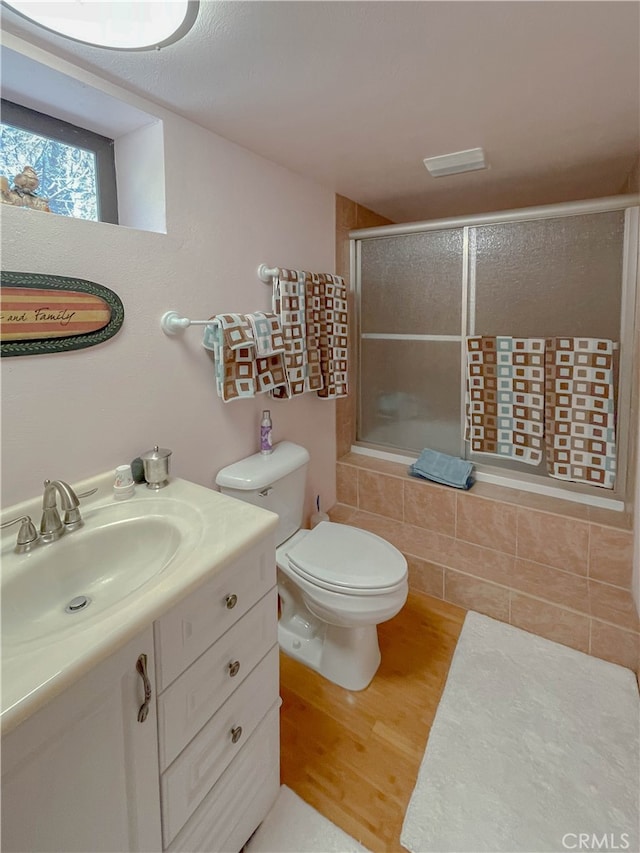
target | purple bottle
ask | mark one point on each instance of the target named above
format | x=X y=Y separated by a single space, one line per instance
x=265 y=433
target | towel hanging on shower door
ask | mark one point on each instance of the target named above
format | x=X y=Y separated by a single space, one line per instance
x=580 y=413
x=505 y=397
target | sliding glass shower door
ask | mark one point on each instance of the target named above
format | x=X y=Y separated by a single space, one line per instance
x=421 y=293
x=410 y=331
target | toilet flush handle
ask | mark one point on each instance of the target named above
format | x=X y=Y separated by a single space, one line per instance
x=266 y=492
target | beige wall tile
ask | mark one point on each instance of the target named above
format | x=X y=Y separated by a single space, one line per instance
x=481 y=562
x=615 y=645
x=612 y=604
x=343 y=255
x=548 y=620
x=478 y=595
x=345 y=426
x=346 y=484
x=369 y=219
x=611 y=555
x=485 y=522
x=412 y=541
x=346 y=212
x=426 y=577
x=431 y=506
x=420 y=542
x=378 y=524
x=611 y=518
x=553 y=541
x=380 y=494
x=341 y=513
x=563 y=588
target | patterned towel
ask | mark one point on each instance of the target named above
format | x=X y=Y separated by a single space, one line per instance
x=234 y=356
x=271 y=374
x=505 y=397
x=240 y=372
x=580 y=416
x=296 y=305
x=289 y=306
x=331 y=325
x=267 y=333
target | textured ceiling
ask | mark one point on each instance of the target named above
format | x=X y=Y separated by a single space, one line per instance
x=355 y=94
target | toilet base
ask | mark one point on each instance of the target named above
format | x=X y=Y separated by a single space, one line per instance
x=349 y=657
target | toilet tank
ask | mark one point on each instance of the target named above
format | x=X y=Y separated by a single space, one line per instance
x=275 y=481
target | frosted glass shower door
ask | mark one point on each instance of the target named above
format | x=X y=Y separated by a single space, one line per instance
x=546 y=278
x=410 y=341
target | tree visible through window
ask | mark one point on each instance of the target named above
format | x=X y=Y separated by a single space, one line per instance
x=75 y=167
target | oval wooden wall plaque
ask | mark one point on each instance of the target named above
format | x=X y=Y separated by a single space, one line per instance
x=48 y=313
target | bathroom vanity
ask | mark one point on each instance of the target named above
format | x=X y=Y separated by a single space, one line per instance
x=151 y=724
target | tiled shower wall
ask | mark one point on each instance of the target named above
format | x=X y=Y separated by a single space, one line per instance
x=553 y=567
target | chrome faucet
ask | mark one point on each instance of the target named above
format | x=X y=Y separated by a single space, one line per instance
x=51 y=525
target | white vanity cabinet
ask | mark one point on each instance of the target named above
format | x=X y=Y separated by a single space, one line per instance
x=202 y=771
x=217 y=676
x=81 y=774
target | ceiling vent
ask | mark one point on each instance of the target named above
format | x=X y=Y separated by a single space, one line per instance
x=460 y=161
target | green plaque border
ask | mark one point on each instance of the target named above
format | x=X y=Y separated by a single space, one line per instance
x=45 y=346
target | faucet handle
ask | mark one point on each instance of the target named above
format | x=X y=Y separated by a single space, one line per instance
x=87 y=494
x=27 y=535
x=72 y=518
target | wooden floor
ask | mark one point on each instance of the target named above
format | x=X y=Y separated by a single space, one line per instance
x=355 y=756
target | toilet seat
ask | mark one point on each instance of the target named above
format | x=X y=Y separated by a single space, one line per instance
x=349 y=560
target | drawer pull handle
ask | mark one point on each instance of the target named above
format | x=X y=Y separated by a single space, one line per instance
x=141 y=668
x=236 y=734
x=234 y=668
x=231 y=601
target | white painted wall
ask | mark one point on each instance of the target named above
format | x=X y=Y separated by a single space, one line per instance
x=70 y=415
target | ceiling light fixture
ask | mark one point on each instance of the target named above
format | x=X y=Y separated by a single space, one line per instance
x=118 y=25
x=452 y=164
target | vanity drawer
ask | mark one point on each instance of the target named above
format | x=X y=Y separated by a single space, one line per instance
x=197 y=769
x=241 y=797
x=185 y=707
x=194 y=624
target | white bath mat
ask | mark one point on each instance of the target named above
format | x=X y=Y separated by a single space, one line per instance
x=534 y=748
x=293 y=826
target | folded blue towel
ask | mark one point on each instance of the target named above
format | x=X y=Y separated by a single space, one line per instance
x=448 y=470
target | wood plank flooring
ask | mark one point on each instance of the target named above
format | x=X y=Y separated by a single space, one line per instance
x=354 y=756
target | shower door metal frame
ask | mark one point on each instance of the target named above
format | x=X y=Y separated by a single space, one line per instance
x=468 y=224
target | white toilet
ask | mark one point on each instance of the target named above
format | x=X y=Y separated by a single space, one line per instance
x=336 y=583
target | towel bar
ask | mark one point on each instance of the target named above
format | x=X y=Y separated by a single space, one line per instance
x=266 y=273
x=173 y=323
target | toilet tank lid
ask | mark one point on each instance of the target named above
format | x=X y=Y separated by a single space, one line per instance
x=258 y=471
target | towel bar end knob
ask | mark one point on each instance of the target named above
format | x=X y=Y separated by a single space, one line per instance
x=172 y=323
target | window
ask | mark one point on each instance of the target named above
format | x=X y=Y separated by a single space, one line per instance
x=76 y=167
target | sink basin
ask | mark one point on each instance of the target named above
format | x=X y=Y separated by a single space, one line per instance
x=134 y=559
x=121 y=548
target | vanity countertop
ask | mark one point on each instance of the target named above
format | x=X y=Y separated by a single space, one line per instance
x=217 y=529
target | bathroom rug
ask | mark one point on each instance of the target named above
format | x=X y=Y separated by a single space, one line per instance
x=293 y=826
x=534 y=747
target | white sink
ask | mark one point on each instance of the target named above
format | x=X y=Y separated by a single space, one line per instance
x=133 y=559
x=121 y=548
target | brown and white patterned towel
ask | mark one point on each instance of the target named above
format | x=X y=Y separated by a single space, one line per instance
x=580 y=411
x=240 y=371
x=289 y=306
x=333 y=335
x=234 y=356
x=312 y=308
x=271 y=372
x=505 y=397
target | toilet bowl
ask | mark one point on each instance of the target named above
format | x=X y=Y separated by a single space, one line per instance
x=336 y=583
